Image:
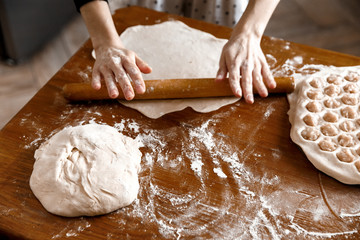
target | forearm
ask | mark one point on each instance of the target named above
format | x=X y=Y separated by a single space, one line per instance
x=256 y=17
x=100 y=25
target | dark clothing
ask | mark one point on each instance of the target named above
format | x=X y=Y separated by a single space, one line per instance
x=80 y=3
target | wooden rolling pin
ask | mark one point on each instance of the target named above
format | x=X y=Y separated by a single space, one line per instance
x=171 y=89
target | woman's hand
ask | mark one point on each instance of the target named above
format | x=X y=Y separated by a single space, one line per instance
x=246 y=64
x=119 y=67
x=115 y=64
x=242 y=56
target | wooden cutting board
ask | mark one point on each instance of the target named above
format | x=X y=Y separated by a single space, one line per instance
x=232 y=173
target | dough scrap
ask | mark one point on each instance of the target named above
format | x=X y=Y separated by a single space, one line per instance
x=329 y=135
x=86 y=170
x=174 y=50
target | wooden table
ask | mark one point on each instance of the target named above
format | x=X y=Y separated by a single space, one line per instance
x=231 y=173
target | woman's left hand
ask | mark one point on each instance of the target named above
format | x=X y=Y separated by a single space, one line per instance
x=246 y=64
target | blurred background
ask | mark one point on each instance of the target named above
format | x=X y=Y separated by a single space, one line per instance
x=33 y=51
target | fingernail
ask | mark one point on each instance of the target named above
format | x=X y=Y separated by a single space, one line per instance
x=129 y=95
x=273 y=85
x=263 y=92
x=96 y=86
x=141 y=89
x=250 y=98
x=238 y=93
x=114 y=94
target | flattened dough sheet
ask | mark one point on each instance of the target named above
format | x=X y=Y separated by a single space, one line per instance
x=174 y=50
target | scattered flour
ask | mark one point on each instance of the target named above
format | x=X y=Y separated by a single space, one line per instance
x=219 y=172
x=73 y=229
x=85 y=74
x=196 y=166
x=259 y=208
x=269 y=111
x=250 y=212
x=258 y=211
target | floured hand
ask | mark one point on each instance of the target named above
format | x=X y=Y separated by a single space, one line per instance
x=246 y=64
x=115 y=64
x=242 y=56
x=119 y=67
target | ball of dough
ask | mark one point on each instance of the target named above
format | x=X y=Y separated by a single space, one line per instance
x=348 y=112
x=316 y=83
x=332 y=90
x=351 y=88
x=347 y=126
x=86 y=170
x=334 y=79
x=345 y=155
x=352 y=77
x=331 y=103
x=327 y=145
x=314 y=107
x=310 y=120
x=330 y=117
x=349 y=99
x=310 y=134
x=314 y=94
x=346 y=140
x=328 y=130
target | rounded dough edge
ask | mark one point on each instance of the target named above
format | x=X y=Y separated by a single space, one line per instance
x=69 y=169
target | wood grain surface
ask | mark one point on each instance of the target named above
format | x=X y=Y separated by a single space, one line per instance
x=230 y=174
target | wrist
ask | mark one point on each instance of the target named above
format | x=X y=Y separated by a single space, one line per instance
x=255 y=18
x=253 y=30
x=246 y=32
x=113 y=42
x=100 y=25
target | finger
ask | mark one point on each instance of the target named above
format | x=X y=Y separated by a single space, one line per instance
x=96 y=79
x=110 y=84
x=222 y=71
x=135 y=75
x=125 y=84
x=246 y=82
x=267 y=75
x=234 y=81
x=142 y=65
x=258 y=81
